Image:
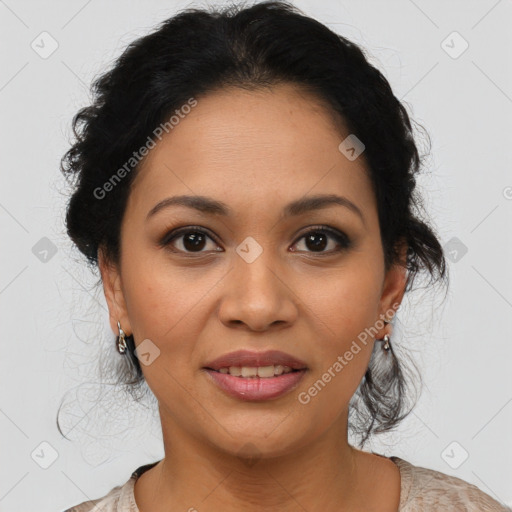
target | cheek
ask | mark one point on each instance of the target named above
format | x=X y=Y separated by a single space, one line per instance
x=168 y=310
x=345 y=302
x=160 y=298
x=345 y=308
x=169 y=306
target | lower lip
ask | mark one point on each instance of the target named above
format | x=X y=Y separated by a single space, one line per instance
x=256 y=388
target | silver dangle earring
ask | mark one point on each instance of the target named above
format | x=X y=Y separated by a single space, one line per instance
x=121 y=340
x=386 y=339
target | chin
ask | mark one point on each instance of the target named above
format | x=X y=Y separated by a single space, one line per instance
x=258 y=439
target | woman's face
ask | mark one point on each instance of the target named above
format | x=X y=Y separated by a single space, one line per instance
x=305 y=281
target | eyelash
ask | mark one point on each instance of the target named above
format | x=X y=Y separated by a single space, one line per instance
x=341 y=238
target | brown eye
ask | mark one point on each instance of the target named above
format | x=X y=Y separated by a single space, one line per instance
x=194 y=241
x=188 y=240
x=318 y=239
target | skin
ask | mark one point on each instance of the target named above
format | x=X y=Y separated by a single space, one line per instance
x=256 y=151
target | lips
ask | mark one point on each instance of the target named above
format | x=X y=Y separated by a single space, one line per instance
x=247 y=375
x=255 y=359
x=256 y=388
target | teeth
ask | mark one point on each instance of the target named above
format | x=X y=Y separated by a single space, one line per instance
x=259 y=371
x=235 y=370
x=266 y=371
x=249 y=371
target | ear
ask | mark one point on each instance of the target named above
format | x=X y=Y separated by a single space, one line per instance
x=112 y=288
x=393 y=288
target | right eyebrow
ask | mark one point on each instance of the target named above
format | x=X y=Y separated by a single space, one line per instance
x=202 y=203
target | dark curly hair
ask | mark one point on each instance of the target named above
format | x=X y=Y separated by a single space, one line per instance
x=199 y=51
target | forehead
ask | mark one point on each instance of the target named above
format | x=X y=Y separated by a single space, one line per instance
x=263 y=146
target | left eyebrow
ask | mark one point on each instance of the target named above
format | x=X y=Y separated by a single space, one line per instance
x=298 y=207
x=316 y=202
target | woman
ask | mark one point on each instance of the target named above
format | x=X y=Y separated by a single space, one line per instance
x=245 y=183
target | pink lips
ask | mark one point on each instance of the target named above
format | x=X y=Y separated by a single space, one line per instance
x=248 y=358
x=256 y=388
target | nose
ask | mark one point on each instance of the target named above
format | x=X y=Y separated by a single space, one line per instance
x=258 y=296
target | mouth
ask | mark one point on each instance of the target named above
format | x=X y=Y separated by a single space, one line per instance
x=247 y=375
x=254 y=372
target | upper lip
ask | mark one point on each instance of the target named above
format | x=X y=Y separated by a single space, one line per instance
x=250 y=358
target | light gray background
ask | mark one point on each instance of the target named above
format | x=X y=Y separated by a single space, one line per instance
x=51 y=317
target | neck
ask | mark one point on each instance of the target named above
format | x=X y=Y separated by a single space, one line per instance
x=194 y=474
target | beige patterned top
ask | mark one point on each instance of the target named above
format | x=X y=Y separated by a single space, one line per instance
x=422 y=490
